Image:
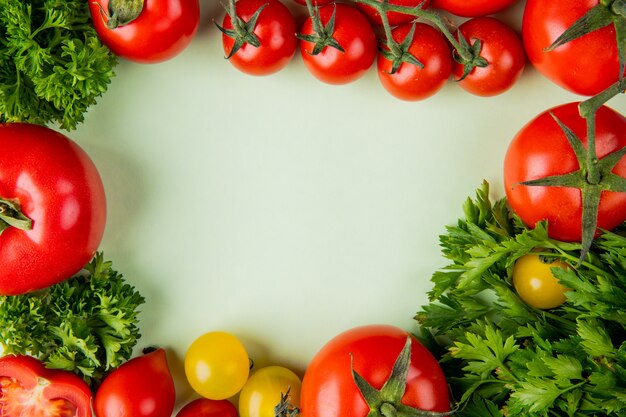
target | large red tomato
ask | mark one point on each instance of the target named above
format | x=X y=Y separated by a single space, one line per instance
x=28 y=389
x=410 y=82
x=329 y=388
x=541 y=149
x=275 y=31
x=394 y=18
x=472 y=8
x=353 y=33
x=161 y=31
x=55 y=185
x=586 y=65
x=141 y=387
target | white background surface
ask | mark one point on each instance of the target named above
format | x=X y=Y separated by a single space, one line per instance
x=282 y=209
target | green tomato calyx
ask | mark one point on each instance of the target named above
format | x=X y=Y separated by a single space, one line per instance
x=386 y=402
x=12 y=216
x=121 y=12
x=322 y=36
x=242 y=31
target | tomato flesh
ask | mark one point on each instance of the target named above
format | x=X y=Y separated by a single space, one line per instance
x=16 y=401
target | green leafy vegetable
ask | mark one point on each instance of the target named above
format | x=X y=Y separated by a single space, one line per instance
x=87 y=324
x=52 y=64
x=505 y=358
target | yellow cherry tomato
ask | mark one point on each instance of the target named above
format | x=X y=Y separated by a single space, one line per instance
x=263 y=391
x=217 y=365
x=536 y=285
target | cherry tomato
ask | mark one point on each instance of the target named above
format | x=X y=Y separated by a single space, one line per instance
x=203 y=407
x=275 y=30
x=314 y=2
x=329 y=388
x=28 y=389
x=161 y=31
x=394 y=18
x=472 y=8
x=411 y=82
x=353 y=33
x=585 y=66
x=535 y=283
x=541 y=149
x=141 y=387
x=217 y=365
x=58 y=188
x=501 y=47
x=263 y=391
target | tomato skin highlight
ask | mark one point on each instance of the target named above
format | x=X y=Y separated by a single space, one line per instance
x=536 y=285
x=472 y=8
x=540 y=149
x=355 y=35
x=141 y=387
x=276 y=31
x=328 y=388
x=501 y=47
x=162 y=30
x=203 y=407
x=410 y=82
x=59 y=188
x=28 y=389
x=262 y=392
x=394 y=18
x=585 y=66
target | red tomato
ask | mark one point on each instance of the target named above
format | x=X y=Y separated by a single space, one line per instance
x=472 y=8
x=587 y=65
x=28 y=389
x=314 y=2
x=411 y=82
x=161 y=31
x=394 y=18
x=203 y=407
x=541 y=149
x=501 y=47
x=328 y=387
x=275 y=30
x=355 y=35
x=141 y=387
x=58 y=187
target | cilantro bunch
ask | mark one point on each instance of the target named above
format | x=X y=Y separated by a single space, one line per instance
x=52 y=64
x=505 y=358
x=87 y=324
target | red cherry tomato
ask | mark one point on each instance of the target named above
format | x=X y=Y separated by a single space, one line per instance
x=472 y=8
x=329 y=389
x=501 y=47
x=585 y=66
x=355 y=35
x=541 y=149
x=394 y=18
x=28 y=389
x=203 y=407
x=141 y=387
x=276 y=31
x=58 y=187
x=161 y=31
x=411 y=82
x=314 y=2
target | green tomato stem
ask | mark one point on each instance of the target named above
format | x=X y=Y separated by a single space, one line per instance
x=12 y=216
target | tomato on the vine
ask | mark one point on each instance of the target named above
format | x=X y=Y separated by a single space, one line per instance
x=146 y=31
x=472 y=8
x=141 y=387
x=52 y=208
x=264 y=390
x=203 y=407
x=314 y=2
x=368 y=355
x=28 y=389
x=584 y=66
x=394 y=18
x=535 y=283
x=410 y=82
x=541 y=149
x=260 y=44
x=501 y=57
x=351 y=31
x=217 y=365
